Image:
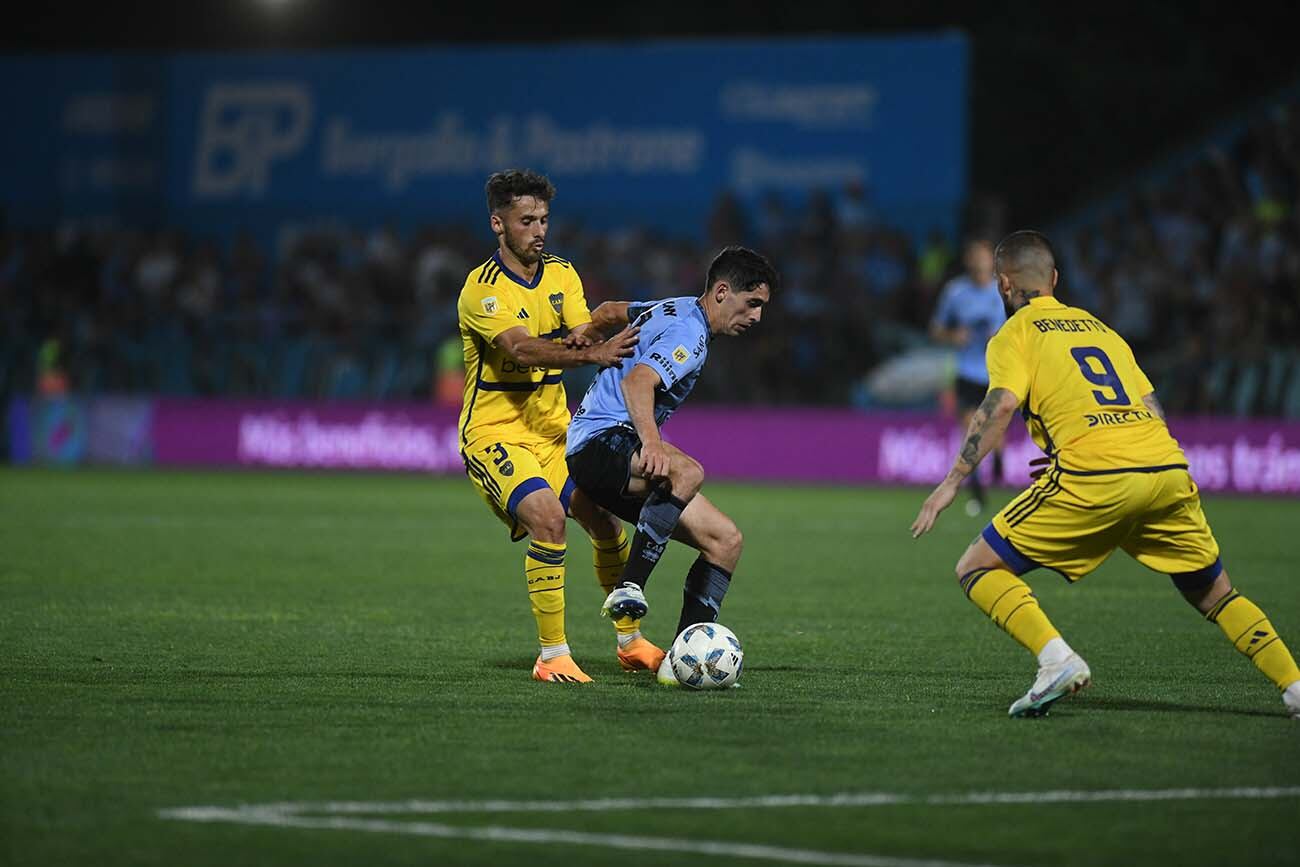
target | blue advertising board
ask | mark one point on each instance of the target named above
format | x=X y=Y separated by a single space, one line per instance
x=85 y=137
x=646 y=133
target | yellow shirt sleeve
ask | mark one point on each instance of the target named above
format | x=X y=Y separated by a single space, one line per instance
x=485 y=311
x=1006 y=365
x=575 y=311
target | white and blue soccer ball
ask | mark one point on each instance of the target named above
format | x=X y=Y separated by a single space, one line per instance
x=706 y=656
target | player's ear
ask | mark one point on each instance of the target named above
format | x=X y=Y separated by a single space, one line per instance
x=1054 y=275
x=498 y=227
x=720 y=290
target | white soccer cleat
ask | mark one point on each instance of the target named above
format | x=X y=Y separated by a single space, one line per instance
x=1054 y=682
x=625 y=600
x=1291 y=698
x=665 y=675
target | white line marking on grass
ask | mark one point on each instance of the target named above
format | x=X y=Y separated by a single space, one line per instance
x=342 y=816
x=491 y=833
x=848 y=799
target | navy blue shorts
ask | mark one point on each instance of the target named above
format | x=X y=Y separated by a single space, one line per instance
x=602 y=469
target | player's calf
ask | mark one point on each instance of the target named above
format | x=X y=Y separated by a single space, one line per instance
x=706 y=586
x=1210 y=591
x=654 y=527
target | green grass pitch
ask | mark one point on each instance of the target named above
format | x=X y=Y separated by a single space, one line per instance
x=172 y=639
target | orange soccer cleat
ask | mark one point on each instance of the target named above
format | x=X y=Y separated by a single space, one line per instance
x=561 y=669
x=640 y=655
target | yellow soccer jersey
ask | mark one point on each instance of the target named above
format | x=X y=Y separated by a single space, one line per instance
x=1080 y=390
x=503 y=399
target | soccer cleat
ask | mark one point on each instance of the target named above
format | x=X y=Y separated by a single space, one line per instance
x=1291 y=698
x=625 y=600
x=640 y=655
x=561 y=669
x=1054 y=682
x=665 y=674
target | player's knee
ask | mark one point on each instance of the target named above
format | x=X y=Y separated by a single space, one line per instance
x=966 y=564
x=547 y=525
x=687 y=477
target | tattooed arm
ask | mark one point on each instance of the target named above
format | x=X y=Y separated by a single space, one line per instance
x=986 y=428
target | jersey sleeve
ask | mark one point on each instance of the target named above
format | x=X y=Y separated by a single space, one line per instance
x=575 y=311
x=674 y=353
x=1006 y=365
x=485 y=312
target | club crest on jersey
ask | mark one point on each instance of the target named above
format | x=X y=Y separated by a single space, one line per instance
x=680 y=354
x=556 y=299
x=490 y=304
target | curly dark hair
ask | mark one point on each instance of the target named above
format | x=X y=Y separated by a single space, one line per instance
x=504 y=187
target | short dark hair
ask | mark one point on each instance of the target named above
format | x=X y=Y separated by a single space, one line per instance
x=742 y=269
x=1027 y=253
x=504 y=187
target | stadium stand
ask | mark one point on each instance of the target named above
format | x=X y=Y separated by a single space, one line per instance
x=1198 y=265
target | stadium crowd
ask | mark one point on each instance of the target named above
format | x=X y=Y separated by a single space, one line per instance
x=1200 y=271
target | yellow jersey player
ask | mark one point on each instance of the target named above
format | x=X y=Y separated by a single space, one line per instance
x=524 y=318
x=1113 y=477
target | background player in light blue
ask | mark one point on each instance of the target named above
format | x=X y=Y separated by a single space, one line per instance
x=617 y=457
x=970 y=311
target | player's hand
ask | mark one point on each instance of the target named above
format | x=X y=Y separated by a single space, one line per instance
x=1038 y=466
x=940 y=499
x=613 y=351
x=961 y=336
x=654 y=462
x=577 y=340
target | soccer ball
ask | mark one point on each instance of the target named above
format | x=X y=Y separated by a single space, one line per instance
x=706 y=656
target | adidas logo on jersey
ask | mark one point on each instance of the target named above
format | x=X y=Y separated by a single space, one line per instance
x=523 y=314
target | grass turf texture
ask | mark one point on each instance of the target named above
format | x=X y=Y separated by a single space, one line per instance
x=175 y=639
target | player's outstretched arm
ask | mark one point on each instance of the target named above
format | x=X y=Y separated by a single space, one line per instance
x=986 y=428
x=606 y=320
x=530 y=351
x=609 y=317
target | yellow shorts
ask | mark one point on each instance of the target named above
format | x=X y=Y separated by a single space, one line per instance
x=1070 y=522
x=504 y=473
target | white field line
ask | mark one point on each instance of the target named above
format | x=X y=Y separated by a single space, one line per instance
x=865 y=799
x=338 y=816
x=259 y=816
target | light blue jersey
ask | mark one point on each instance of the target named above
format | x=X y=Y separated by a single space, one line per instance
x=980 y=310
x=674 y=342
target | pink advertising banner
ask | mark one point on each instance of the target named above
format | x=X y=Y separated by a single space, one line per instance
x=777 y=445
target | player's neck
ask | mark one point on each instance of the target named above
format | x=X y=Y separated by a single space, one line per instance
x=712 y=314
x=1022 y=297
x=511 y=261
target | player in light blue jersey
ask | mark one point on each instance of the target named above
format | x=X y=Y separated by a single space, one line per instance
x=618 y=459
x=969 y=313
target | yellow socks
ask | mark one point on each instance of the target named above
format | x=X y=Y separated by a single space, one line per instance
x=544 y=572
x=1011 y=605
x=1250 y=632
x=609 y=556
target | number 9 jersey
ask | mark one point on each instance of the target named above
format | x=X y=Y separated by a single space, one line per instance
x=1080 y=390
